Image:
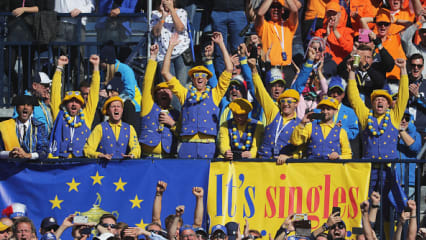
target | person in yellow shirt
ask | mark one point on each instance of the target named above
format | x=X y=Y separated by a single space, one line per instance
x=241 y=136
x=380 y=124
x=200 y=103
x=113 y=138
x=158 y=117
x=72 y=122
x=326 y=140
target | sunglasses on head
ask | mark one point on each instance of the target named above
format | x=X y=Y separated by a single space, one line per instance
x=106 y=225
x=339 y=225
x=200 y=74
x=386 y=24
x=413 y=65
x=288 y=101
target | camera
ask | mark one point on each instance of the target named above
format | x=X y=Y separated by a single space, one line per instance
x=80 y=219
x=317 y=116
x=236 y=154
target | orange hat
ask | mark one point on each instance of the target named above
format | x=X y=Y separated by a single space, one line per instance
x=332 y=6
x=279 y=1
x=383 y=15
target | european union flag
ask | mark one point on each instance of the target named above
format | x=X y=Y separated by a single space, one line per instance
x=125 y=189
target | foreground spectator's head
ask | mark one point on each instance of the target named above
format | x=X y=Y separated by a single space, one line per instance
x=48 y=224
x=113 y=107
x=115 y=86
x=84 y=88
x=336 y=88
x=276 y=10
x=15 y=211
x=109 y=221
x=201 y=234
x=333 y=13
x=24 y=229
x=5 y=231
x=383 y=22
x=169 y=221
x=337 y=231
x=237 y=88
x=41 y=85
x=322 y=236
x=318 y=44
x=200 y=75
x=24 y=106
x=288 y=102
x=276 y=82
x=162 y=95
x=232 y=230
x=381 y=100
x=416 y=65
x=107 y=54
x=187 y=233
x=219 y=232
x=395 y=5
x=240 y=108
x=73 y=102
x=422 y=34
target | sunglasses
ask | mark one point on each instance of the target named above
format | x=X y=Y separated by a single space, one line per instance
x=276 y=6
x=106 y=225
x=219 y=235
x=235 y=87
x=318 y=49
x=288 y=101
x=413 y=65
x=339 y=225
x=407 y=118
x=73 y=93
x=200 y=74
x=380 y=24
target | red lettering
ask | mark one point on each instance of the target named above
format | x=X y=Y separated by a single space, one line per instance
x=314 y=221
x=282 y=202
x=292 y=190
x=342 y=198
x=270 y=201
x=353 y=195
x=313 y=204
x=326 y=197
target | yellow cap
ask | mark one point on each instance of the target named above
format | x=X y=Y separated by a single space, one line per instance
x=110 y=100
x=161 y=85
x=381 y=93
x=200 y=69
x=240 y=106
x=73 y=94
x=329 y=101
x=289 y=93
x=3 y=227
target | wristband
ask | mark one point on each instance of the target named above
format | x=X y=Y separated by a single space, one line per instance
x=375 y=206
x=325 y=227
x=413 y=216
x=162 y=21
x=60 y=68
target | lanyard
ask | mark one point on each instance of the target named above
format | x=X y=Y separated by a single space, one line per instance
x=282 y=36
x=72 y=130
x=278 y=130
x=46 y=114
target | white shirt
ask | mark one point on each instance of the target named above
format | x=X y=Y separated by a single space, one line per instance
x=66 y=6
x=20 y=126
x=167 y=32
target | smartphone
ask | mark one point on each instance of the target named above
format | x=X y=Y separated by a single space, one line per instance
x=336 y=209
x=302 y=228
x=317 y=116
x=300 y=216
x=236 y=155
x=363 y=36
x=357 y=230
x=253 y=51
x=80 y=219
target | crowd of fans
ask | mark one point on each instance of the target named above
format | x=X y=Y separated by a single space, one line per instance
x=355 y=91
x=16 y=224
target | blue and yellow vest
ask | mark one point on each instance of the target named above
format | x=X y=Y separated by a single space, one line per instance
x=319 y=147
x=109 y=144
x=152 y=133
x=383 y=146
x=199 y=117
x=269 y=149
x=243 y=139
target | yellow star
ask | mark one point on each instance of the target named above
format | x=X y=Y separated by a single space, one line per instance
x=97 y=178
x=345 y=116
x=119 y=185
x=136 y=202
x=56 y=202
x=73 y=185
x=141 y=224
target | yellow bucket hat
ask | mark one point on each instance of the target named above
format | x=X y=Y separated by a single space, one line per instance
x=73 y=94
x=381 y=92
x=200 y=69
x=329 y=101
x=240 y=106
x=289 y=93
x=110 y=100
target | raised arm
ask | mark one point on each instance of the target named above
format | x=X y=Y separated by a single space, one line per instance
x=165 y=72
x=178 y=23
x=294 y=9
x=403 y=93
x=56 y=92
x=93 y=97
x=173 y=227
x=156 y=207
x=148 y=81
x=368 y=230
x=355 y=99
x=199 y=206
x=260 y=15
x=412 y=226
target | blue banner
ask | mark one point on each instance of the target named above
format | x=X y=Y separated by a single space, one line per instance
x=126 y=189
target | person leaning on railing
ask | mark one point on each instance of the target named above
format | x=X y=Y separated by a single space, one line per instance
x=72 y=121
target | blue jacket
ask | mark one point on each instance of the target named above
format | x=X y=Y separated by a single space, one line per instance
x=105 y=6
x=131 y=89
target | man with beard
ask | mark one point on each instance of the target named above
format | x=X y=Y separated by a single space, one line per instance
x=380 y=124
x=241 y=136
x=158 y=117
x=327 y=140
x=41 y=90
x=200 y=111
x=71 y=127
x=113 y=138
x=23 y=136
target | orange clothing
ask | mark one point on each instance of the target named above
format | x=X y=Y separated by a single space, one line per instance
x=365 y=8
x=394 y=47
x=338 y=48
x=268 y=33
x=403 y=14
x=315 y=8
